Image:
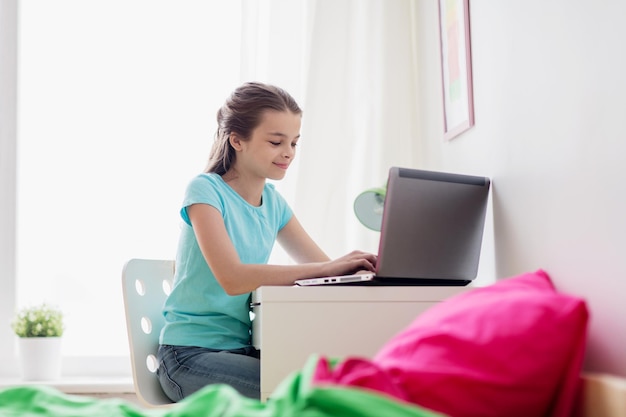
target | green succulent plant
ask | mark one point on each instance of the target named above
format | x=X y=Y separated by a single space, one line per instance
x=38 y=321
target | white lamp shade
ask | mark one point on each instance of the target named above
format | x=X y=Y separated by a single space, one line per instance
x=368 y=207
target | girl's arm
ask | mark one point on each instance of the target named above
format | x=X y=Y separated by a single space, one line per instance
x=298 y=244
x=239 y=278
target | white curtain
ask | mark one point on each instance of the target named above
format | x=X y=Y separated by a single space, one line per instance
x=351 y=65
x=348 y=63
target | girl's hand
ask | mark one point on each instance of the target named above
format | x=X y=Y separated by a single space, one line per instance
x=350 y=263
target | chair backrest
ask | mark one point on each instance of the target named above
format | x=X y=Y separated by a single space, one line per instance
x=146 y=284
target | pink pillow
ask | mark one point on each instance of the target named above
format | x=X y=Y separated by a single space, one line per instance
x=514 y=349
x=356 y=372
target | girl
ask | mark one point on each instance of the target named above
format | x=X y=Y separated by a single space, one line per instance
x=232 y=218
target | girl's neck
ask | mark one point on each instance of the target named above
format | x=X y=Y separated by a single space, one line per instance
x=249 y=188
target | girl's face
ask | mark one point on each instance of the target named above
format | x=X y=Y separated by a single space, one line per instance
x=272 y=145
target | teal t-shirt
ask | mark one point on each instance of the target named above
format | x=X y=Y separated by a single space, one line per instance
x=198 y=312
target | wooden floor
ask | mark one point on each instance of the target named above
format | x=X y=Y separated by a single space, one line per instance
x=130 y=397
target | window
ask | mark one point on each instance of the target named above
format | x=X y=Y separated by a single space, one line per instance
x=116 y=112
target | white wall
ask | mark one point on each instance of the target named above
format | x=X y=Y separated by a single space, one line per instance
x=8 y=75
x=550 y=98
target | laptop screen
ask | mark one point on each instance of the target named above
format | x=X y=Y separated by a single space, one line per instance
x=432 y=225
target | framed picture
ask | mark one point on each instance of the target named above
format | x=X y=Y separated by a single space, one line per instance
x=456 y=67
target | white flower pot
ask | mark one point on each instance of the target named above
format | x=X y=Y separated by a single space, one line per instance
x=40 y=358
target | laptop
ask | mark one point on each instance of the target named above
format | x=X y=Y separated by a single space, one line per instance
x=431 y=233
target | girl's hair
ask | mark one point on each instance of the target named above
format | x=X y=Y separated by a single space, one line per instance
x=241 y=114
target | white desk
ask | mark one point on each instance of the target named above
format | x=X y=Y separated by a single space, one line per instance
x=292 y=323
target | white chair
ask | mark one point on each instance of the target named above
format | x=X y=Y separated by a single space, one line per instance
x=145 y=284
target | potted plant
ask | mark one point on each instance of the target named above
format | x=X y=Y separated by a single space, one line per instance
x=39 y=330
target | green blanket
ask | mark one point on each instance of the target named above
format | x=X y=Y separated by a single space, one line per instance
x=294 y=397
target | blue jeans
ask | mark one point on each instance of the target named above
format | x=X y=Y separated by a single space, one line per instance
x=183 y=370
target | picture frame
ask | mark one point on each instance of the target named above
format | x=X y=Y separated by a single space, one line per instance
x=456 y=67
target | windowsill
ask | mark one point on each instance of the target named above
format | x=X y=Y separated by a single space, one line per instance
x=80 y=385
